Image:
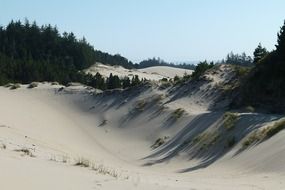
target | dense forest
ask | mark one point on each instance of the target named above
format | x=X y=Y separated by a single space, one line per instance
x=32 y=53
x=159 y=62
x=29 y=52
x=265 y=84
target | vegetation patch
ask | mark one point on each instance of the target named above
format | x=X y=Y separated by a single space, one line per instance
x=229 y=120
x=82 y=162
x=54 y=83
x=265 y=133
x=250 y=109
x=33 y=85
x=140 y=105
x=160 y=141
x=178 y=113
x=15 y=86
x=26 y=152
x=276 y=128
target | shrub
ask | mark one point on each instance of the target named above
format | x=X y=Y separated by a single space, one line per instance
x=241 y=71
x=250 y=109
x=140 y=105
x=25 y=151
x=82 y=162
x=277 y=127
x=178 y=113
x=55 y=83
x=33 y=85
x=160 y=141
x=15 y=86
x=229 y=120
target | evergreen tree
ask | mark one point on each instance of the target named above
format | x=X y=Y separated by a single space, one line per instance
x=126 y=82
x=259 y=53
x=135 y=80
x=280 y=47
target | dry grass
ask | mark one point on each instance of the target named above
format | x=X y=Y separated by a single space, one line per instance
x=82 y=162
x=26 y=152
x=15 y=86
x=54 y=83
x=178 y=113
x=160 y=141
x=230 y=120
x=140 y=105
x=265 y=133
x=33 y=85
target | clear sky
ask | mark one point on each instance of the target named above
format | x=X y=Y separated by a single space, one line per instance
x=175 y=30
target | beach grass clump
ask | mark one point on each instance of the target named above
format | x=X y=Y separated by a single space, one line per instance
x=178 y=113
x=140 y=105
x=230 y=120
x=160 y=141
x=54 y=83
x=82 y=162
x=33 y=85
x=250 y=109
x=265 y=133
x=274 y=129
x=15 y=86
x=25 y=151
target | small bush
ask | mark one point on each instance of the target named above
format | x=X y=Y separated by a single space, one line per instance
x=250 y=109
x=241 y=71
x=15 y=86
x=25 y=151
x=54 y=83
x=252 y=138
x=164 y=80
x=33 y=85
x=277 y=127
x=140 y=105
x=160 y=141
x=178 y=113
x=82 y=162
x=230 y=120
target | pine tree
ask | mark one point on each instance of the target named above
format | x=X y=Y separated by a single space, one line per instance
x=126 y=82
x=259 y=53
x=280 y=47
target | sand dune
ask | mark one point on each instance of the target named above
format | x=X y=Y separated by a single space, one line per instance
x=48 y=135
x=150 y=73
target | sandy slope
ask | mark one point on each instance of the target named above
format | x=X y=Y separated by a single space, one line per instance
x=114 y=132
x=150 y=73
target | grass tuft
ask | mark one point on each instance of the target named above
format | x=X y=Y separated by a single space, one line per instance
x=178 y=113
x=230 y=120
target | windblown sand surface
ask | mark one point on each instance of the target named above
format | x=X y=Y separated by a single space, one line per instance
x=47 y=135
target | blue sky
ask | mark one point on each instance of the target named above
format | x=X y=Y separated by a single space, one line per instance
x=175 y=30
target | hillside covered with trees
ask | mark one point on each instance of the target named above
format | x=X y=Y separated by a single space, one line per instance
x=265 y=84
x=32 y=53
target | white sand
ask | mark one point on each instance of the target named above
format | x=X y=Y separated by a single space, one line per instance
x=60 y=128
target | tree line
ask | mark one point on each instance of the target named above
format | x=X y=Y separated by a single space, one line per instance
x=29 y=53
